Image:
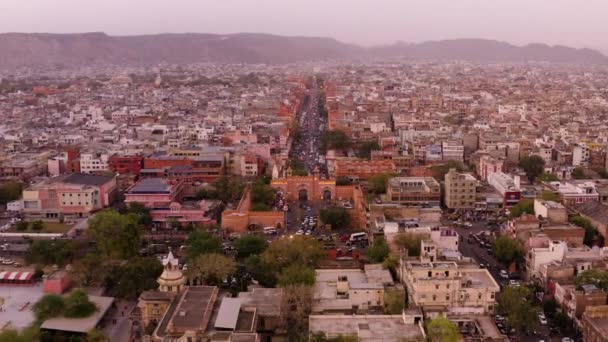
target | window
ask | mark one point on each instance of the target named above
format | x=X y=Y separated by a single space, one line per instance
x=434 y=297
x=436 y=286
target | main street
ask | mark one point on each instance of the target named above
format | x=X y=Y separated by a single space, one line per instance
x=306 y=148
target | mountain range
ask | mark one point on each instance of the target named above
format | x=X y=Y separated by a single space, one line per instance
x=43 y=49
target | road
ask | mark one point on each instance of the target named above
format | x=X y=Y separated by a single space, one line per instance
x=481 y=255
x=306 y=148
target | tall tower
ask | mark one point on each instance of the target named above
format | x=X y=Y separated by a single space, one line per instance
x=172 y=279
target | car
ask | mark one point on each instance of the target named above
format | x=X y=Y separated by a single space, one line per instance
x=8 y=262
x=482 y=266
x=300 y=232
x=503 y=274
x=567 y=339
x=513 y=283
x=542 y=319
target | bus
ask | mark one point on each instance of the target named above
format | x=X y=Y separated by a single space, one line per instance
x=358 y=236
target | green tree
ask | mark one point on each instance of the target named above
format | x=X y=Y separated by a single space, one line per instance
x=255 y=206
x=37 y=225
x=515 y=303
x=595 y=277
x=116 y=235
x=95 y=335
x=211 y=268
x=10 y=191
x=262 y=272
x=534 y=166
x=201 y=243
x=341 y=181
x=550 y=307
x=335 y=140
x=50 y=252
x=394 y=301
x=337 y=217
x=142 y=212
x=29 y=334
x=78 y=305
x=525 y=206
x=320 y=337
x=301 y=250
x=506 y=250
x=549 y=196
x=547 y=177
x=377 y=183
x=378 y=251
x=296 y=303
x=21 y=226
x=409 y=241
x=592 y=235
x=440 y=329
x=578 y=173
x=262 y=193
x=128 y=280
x=366 y=148
x=50 y=305
x=439 y=171
x=250 y=245
x=88 y=270
x=228 y=189
x=296 y=275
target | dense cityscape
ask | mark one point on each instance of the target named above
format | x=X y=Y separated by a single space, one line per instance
x=332 y=199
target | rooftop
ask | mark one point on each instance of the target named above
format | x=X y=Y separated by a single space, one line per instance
x=150 y=185
x=385 y=328
x=81 y=325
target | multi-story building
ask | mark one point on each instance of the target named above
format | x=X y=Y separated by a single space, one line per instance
x=572 y=193
x=507 y=186
x=342 y=290
x=552 y=211
x=580 y=155
x=164 y=198
x=488 y=165
x=460 y=190
x=93 y=162
x=595 y=324
x=574 y=299
x=452 y=150
x=125 y=164
x=362 y=169
x=414 y=191
x=443 y=286
x=75 y=195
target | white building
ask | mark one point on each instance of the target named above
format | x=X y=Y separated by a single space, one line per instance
x=452 y=150
x=93 y=162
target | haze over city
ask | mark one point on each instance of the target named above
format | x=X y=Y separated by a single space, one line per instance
x=303 y=171
x=572 y=23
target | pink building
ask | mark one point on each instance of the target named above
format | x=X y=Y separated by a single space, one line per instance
x=163 y=197
x=71 y=195
x=487 y=166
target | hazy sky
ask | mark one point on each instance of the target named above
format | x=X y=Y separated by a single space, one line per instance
x=579 y=23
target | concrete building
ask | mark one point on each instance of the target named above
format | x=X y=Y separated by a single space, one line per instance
x=595 y=324
x=552 y=211
x=164 y=198
x=508 y=187
x=71 y=195
x=460 y=190
x=452 y=150
x=444 y=286
x=406 y=327
x=574 y=193
x=414 y=191
x=574 y=300
x=488 y=165
x=93 y=162
x=350 y=290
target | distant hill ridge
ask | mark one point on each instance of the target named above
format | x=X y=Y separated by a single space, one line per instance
x=42 y=49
